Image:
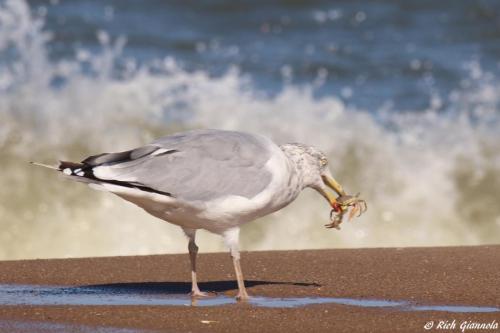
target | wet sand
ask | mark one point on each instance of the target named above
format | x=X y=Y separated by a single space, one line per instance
x=467 y=276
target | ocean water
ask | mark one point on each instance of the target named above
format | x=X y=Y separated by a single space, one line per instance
x=404 y=98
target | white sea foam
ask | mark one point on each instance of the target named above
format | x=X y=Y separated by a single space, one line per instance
x=429 y=177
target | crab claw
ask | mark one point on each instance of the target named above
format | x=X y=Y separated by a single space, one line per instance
x=335 y=219
x=344 y=203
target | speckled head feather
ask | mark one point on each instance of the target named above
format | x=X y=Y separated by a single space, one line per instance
x=309 y=163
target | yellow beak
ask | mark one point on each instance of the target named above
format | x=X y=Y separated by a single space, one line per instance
x=334 y=185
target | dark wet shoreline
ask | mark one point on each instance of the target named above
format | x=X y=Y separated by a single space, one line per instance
x=110 y=295
x=359 y=290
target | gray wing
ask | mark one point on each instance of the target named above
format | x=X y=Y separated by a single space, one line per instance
x=194 y=165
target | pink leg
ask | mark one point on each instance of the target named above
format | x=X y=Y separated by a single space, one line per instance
x=193 y=252
x=231 y=237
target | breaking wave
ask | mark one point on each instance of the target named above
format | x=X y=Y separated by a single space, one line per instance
x=430 y=177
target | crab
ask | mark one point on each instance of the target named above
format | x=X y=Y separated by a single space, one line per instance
x=344 y=202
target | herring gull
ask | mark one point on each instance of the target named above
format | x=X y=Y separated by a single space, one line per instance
x=214 y=180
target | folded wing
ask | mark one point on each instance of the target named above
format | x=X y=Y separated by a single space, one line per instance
x=195 y=165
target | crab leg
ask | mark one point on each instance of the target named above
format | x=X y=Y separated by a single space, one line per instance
x=343 y=203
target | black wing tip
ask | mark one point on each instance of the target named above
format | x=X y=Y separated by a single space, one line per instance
x=84 y=170
x=70 y=165
x=126 y=156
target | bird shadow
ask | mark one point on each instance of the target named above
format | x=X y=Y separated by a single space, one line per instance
x=185 y=287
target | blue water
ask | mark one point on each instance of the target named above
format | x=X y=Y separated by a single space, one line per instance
x=48 y=327
x=370 y=53
x=53 y=295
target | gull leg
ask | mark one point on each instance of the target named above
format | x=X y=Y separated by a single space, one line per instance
x=242 y=292
x=193 y=251
x=231 y=237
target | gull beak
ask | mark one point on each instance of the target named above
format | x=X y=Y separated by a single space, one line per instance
x=334 y=185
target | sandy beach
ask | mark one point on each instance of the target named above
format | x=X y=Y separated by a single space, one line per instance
x=461 y=276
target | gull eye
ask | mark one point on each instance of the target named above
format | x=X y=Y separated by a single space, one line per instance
x=323 y=162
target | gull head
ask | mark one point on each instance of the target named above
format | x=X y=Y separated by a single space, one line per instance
x=311 y=165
